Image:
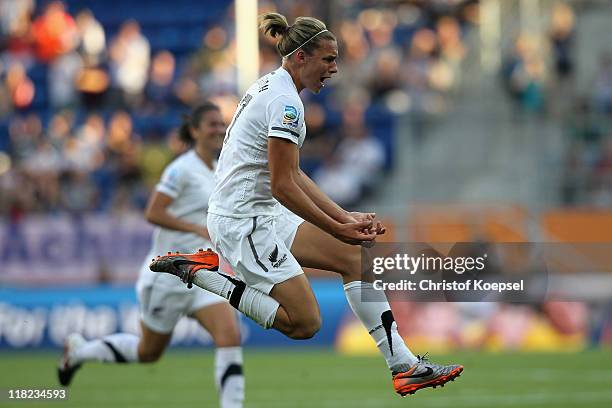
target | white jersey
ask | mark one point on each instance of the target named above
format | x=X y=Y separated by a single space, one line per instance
x=270 y=107
x=189 y=182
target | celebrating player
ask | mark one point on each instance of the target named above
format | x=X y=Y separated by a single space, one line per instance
x=178 y=209
x=261 y=199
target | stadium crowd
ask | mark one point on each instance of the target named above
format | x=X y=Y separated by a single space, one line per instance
x=588 y=175
x=539 y=75
x=89 y=104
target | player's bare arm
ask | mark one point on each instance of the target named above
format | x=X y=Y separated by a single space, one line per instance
x=157 y=213
x=326 y=204
x=284 y=176
x=334 y=210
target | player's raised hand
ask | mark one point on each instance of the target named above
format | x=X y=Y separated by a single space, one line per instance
x=355 y=233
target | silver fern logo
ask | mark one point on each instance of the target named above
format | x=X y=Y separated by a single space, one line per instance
x=273 y=258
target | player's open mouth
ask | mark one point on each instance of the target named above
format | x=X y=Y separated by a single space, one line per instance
x=323 y=79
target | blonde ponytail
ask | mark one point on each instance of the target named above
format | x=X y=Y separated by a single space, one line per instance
x=305 y=33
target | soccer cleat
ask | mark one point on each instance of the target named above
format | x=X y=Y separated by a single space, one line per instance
x=424 y=374
x=67 y=368
x=186 y=265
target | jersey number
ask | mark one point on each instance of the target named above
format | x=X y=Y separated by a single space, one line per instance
x=243 y=104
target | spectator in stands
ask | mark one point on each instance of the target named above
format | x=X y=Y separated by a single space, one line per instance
x=36 y=163
x=213 y=66
x=78 y=193
x=582 y=123
x=386 y=74
x=602 y=174
x=92 y=44
x=92 y=80
x=54 y=32
x=5 y=99
x=523 y=73
x=562 y=39
x=120 y=138
x=340 y=177
x=601 y=90
x=19 y=87
x=214 y=42
x=446 y=70
x=561 y=36
x=60 y=129
x=321 y=138
x=417 y=64
x=12 y=14
x=81 y=152
x=15 y=24
x=123 y=148
x=25 y=134
x=17 y=196
x=356 y=68
x=573 y=174
x=585 y=157
x=92 y=84
x=43 y=169
x=63 y=72
x=129 y=59
x=452 y=48
x=160 y=87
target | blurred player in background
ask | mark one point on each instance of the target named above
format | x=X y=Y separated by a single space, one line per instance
x=178 y=208
x=261 y=199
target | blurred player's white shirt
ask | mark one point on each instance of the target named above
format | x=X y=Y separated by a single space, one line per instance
x=189 y=181
x=270 y=107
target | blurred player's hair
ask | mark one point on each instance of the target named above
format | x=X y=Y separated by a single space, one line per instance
x=297 y=35
x=193 y=120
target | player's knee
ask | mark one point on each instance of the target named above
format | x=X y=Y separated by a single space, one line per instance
x=349 y=263
x=229 y=337
x=306 y=329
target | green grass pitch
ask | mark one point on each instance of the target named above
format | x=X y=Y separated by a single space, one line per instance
x=317 y=378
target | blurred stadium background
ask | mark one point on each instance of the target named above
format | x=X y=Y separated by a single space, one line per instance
x=454 y=120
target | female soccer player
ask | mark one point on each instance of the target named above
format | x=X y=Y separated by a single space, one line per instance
x=261 y=199
x=178 y=209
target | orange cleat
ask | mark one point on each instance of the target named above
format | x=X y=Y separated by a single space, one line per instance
x=186 y=265
x=424 y=374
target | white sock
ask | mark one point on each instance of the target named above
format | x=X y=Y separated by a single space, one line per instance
x=252 y=302
x=229 y=378
x=114 y=348
x=376 y=316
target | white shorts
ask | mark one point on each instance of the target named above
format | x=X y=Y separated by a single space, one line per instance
x=257 y=249
x=166 y=299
